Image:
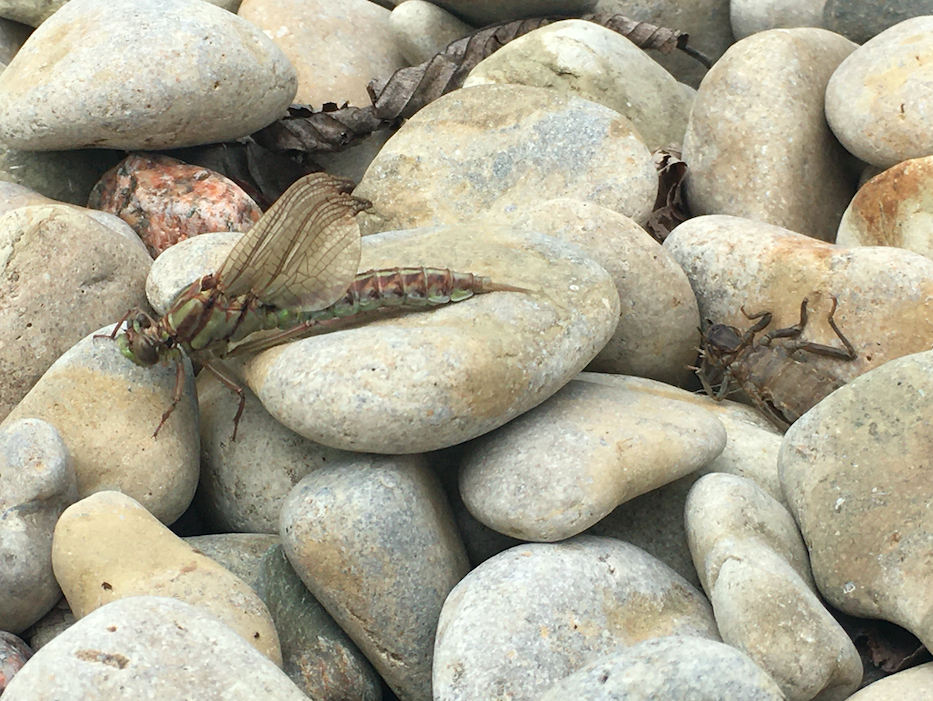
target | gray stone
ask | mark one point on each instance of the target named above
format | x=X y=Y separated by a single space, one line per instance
x=706 y=21
x=877 y=100
x=63 y=275
x=563 y=466
x=317 y=655
x=243 y=483
x=657 y=332
x=12 y=36
x=50 y=626
x=894 y=208
x=428 y=380
x=482 y=12
x=37 y=483
x=65 y=176
x=673 y=668
x=375 y=542
x=758 y=144
x=106 y=409
x=487 y=149
x=751 y=16
x=336 y=46
x=34 y=12
x=860 y=20
x=150 y=647
x=90 y=77
x=586 y=59
x=422 y=29
x=912 y=684
x=536 y=613
x=882 y=294
x=240 y=553
x=861 y=496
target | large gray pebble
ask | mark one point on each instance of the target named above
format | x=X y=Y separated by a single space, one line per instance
x=243 y=483
x=37 y=483
x=706 y=21
x=658 y=319
x=316 y=654
x=63 y=275
x=855 y=470
x=537 y=613
x=374 y=541
x=106 y=409
x=563 y=466
x=149 y=647
x=143 y=75
x=860 y=20
x=877 y=101
x=482 y=12
x=674 y=669
x=742 y=161
x=598 y=64
x=422 y=29
x=486 y=149
x=426 y=380
x=336 y=46
x=751 y=16
x=912 y=684
x=882 y=293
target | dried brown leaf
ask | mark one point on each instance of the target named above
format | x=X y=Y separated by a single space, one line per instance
x=670 y=207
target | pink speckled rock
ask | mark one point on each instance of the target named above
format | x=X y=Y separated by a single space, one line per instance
x=167 y=201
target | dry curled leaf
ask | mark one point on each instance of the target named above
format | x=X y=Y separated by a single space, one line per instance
x=670 y=207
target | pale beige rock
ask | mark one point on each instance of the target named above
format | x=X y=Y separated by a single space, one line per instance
x=723 y=507
x=758 y=143
x=482 y=12
x=62 y=275
x=422 y=29
x=855 y=470
x=143 y=75
x=35 y=12
x=883 y=294
x=563 y=466
x=487 y=149
x=427 y=380
x=583 y=58
x=657 y=333
x=336 y=46
x=767 y=611
x=912 y=684
x=106 y=409
x=107 y=547
x=894 y=208
x=877 y=102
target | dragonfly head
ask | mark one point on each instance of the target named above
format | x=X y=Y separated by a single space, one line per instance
x=142 y=342
x=722 y=343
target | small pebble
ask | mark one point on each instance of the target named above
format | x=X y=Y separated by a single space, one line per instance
x=423 y=29
x=14 y=653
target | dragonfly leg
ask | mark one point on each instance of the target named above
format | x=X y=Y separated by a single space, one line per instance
x=116 y=328
x=230 y=383
x=176 y=394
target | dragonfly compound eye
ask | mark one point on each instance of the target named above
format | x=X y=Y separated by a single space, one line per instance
x=140 y=349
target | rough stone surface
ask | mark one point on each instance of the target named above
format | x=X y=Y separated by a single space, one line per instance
x=62 y=275
x=536 y=613
x=894 y=208
x=243 y=483
x=336 y=46
x=758 y=145
x=317 y=655
x=912 y=684
x=883 y=294
x=877 y=101
x=563 y=466
x=147 y=647
x=860 y=20
x=583 y=58
x=106 y=409
x=35 y=12
x=861 y=495
x=422 y=29
x=240 y=553
x=37 y=483
x=486 y=149
x=751 y=16
x=673 y=668
x=91 y=76
x=108 y=547
x=426 y=380
x=374 y=541
x=658 y=319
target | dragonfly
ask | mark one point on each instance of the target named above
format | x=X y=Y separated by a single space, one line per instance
x=295 y=269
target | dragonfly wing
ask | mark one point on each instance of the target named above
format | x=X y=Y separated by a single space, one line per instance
x=305 y=250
